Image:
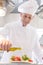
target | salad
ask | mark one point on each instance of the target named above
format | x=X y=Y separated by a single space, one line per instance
x=23 y=58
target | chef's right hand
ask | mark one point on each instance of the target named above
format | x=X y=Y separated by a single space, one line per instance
x=5 y=45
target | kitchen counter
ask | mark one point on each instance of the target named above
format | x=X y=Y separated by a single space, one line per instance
x=16 y=63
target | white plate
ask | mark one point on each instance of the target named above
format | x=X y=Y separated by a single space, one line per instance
x=20 y=62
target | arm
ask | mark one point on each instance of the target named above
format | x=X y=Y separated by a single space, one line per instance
x=5 y=44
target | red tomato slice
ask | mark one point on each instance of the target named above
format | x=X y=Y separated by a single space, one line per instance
x=15 y=58
x=30 y=60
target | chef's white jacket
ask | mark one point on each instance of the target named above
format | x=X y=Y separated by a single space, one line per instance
x=24 y=37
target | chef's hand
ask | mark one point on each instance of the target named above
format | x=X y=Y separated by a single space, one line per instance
x=5 y=45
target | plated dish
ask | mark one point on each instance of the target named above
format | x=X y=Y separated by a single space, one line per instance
x=21 y=59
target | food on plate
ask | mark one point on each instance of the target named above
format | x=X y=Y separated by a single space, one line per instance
x=24 y=57
x=30 y=60
x=16 y=58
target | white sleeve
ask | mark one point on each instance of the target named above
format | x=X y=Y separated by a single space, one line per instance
x=5 y=32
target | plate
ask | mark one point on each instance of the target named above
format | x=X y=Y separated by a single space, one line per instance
x=20 y=62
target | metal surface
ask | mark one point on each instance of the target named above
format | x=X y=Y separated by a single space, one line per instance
x=12 y=5
x=16 y=63
x=41 y=40
x=40 y=11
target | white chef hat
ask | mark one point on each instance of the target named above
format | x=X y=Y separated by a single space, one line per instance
x=29 y=7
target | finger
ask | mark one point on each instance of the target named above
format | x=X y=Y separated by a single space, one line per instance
x=0 y=44
x=9 y=45
x=3 y=45
x=6 y=43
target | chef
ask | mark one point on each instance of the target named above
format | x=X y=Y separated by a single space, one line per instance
x=21 y=33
